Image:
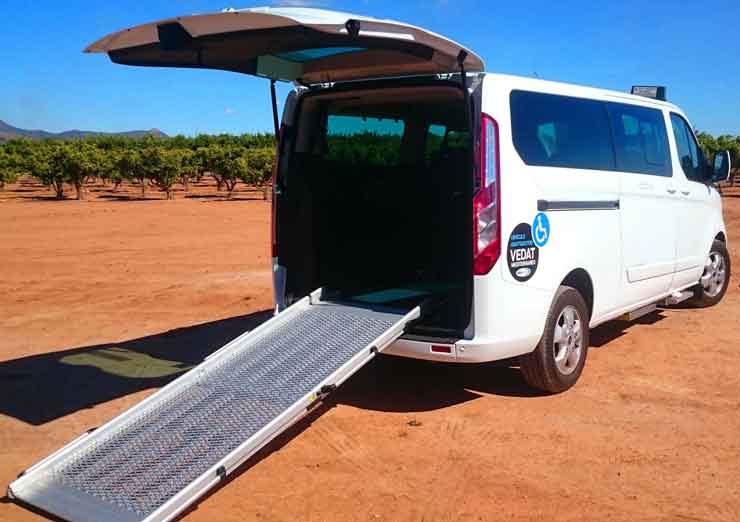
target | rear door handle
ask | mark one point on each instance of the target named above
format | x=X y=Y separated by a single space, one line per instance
x=685 y=192
x=671 y=190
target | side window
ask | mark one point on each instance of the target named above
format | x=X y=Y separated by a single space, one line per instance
x=640 y=140
x=561 y=131
x=689 y=152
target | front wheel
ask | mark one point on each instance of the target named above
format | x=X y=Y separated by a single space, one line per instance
x=557 y=362
x=716 y=277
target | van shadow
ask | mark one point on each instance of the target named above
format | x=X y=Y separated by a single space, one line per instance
x=395 y=384
x=40 y=388
x=609 y=331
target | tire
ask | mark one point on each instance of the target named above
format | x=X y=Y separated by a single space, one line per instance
x=716 y=277
x=541 y=368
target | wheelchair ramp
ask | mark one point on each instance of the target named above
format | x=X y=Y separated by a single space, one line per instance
x=157 y=458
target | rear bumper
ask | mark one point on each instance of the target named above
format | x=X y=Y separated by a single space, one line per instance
x=508 y=319
x=475 y=350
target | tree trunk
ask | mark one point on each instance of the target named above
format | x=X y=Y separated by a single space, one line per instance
x=170 y=193
x=264 y=193
x=230 y=186
x=58 y=187
x=80 y=188
x=143 y=188
x=2 y=185
x=186 y=183
x=116 y=184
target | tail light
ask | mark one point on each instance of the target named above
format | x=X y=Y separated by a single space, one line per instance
x=487 y=201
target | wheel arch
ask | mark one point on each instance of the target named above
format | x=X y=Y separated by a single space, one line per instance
x=580 y=279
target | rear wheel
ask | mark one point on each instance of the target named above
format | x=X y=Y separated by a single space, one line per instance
x=716 y=277
x=557 y=362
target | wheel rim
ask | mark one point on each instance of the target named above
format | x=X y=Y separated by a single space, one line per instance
x=715 y=273
x=568 y=340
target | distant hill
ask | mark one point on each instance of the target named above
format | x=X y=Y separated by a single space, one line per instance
x=8 y=132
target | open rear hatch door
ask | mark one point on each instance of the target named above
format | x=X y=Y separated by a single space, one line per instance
x=305 y=45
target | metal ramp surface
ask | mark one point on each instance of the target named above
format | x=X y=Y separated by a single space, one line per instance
x=154 y=460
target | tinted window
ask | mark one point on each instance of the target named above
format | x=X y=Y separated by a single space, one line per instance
x=435 y=137
x=640 y=140
x=560 y=131
x=361 y=139
x=689 y=153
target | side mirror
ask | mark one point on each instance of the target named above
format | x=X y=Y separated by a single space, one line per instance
x=721 y=166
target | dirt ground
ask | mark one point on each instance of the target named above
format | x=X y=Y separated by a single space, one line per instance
x=101 y=302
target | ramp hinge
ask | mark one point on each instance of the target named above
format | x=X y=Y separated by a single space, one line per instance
x=221 y=472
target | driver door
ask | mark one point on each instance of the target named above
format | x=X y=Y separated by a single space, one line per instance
x=692 y=204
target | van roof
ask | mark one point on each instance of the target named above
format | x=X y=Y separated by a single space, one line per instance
x=572 y=89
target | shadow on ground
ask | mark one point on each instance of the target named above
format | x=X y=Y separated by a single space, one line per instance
x=607 y=332
x=41 y=388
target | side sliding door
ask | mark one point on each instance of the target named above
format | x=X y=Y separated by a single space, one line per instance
x=648 y=200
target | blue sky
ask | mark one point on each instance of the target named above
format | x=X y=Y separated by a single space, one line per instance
x=48 y=83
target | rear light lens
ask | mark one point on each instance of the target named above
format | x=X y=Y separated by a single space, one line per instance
x=487 y=201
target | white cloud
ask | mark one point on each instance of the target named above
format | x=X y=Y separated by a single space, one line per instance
x=228 y=111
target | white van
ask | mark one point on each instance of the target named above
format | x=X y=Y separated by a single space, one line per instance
x=518 y=212
x=419 y=211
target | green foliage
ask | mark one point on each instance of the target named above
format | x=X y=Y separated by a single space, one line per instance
x=11 y=167
x=191 y=168
x=164 y=162
x=46 y=164
x=366 y=148
x=164 y=167
x=130 y=166
x=711 y=145
x=79 y=160
x=144 y=161
x=259 y=163
x=230 y=163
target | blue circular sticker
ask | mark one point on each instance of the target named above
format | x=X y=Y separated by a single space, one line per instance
x=541 y=230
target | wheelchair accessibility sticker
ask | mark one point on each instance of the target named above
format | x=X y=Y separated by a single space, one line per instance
x=541 y=229
x=522 y=256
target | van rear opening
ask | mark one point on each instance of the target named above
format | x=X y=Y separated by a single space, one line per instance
x=375 y=200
